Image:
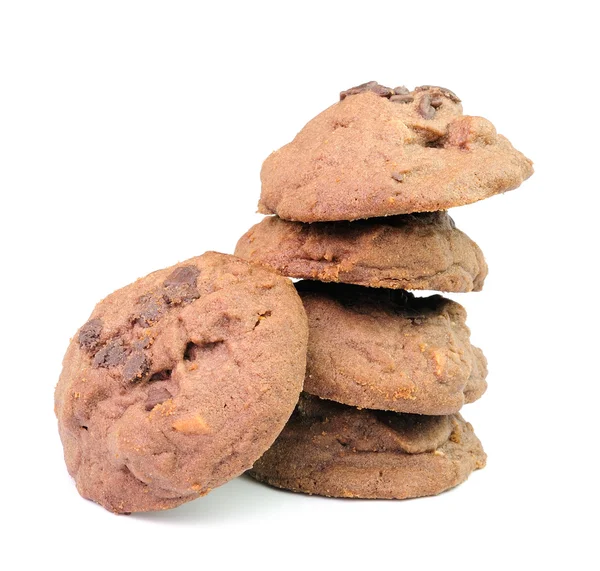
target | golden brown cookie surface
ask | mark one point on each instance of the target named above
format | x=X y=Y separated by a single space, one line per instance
x=179 y=382
x=389 y=350
x=334 y=450
x=413 y=251
x=380 y=153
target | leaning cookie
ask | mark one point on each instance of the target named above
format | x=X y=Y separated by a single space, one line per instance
x=334 y=450
x=389 y=350
x=382 y=151
x=179 y=382
x=412 y=251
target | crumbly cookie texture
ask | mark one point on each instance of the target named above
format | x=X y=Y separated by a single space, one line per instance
x=179 y=382
x=389 y=350
x=334 y=450
x=382 y=151
x=411 y=251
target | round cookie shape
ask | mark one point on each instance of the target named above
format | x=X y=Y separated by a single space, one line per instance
x=411 y=251
x=179 y=382
x=334 y=450
x=389 y=350
x=382 y=151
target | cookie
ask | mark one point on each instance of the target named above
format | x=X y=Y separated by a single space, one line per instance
x=335 y=450
x=412 y=251
x=389 y=350
x=380 y=152
x=179 y=382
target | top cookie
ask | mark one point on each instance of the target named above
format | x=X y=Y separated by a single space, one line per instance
x=180 y=381
x=382 y=151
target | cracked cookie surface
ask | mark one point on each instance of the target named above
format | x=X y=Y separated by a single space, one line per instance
x=389 y=350
x=382 y=151
x=412 y=251
x=330 y=449
x=179 y=382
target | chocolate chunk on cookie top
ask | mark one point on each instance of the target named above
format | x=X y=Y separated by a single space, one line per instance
x=180 y=381
x=412 y=251
x=382 y=151
x=335 y=450
x=389 y=350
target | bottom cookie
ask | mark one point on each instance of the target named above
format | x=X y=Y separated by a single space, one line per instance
x=334 y=450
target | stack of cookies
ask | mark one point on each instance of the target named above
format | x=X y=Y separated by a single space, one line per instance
x=359 y=201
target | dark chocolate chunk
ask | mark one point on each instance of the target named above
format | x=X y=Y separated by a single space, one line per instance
x=441 y=90
x=180 y=286
x=152 y=308
x=373 y=86
x=357 y=89
x=382 y=91
x=111 y=355
x=425 y=108
x=89 y=335
x=136 y=367
x=142 y=344
x=403 y=98
x=437 y=101
x=182 y=275
x=156 y=395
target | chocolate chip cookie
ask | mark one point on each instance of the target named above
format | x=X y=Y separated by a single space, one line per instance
x=412 y=251
x=180 y=381
x=389 y=350
x=382 y=151
x=334 y=450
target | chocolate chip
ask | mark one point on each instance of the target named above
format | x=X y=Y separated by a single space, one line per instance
x=111 y=355
x=136 y=367
x=142 y=344
x=182 y=275
x=403 y=98
x=152 y=308
x=401 y=90
x=89 y=335
x=441 y=90
x=176 y=295
x=357 y=89
x=156 y=395
x=425 y=108
x=437 y=101
x=373 y=86
x=398 y=176
x=382 y=91
x=180 y=286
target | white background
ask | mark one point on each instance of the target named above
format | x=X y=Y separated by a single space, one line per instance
x=131 y=137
